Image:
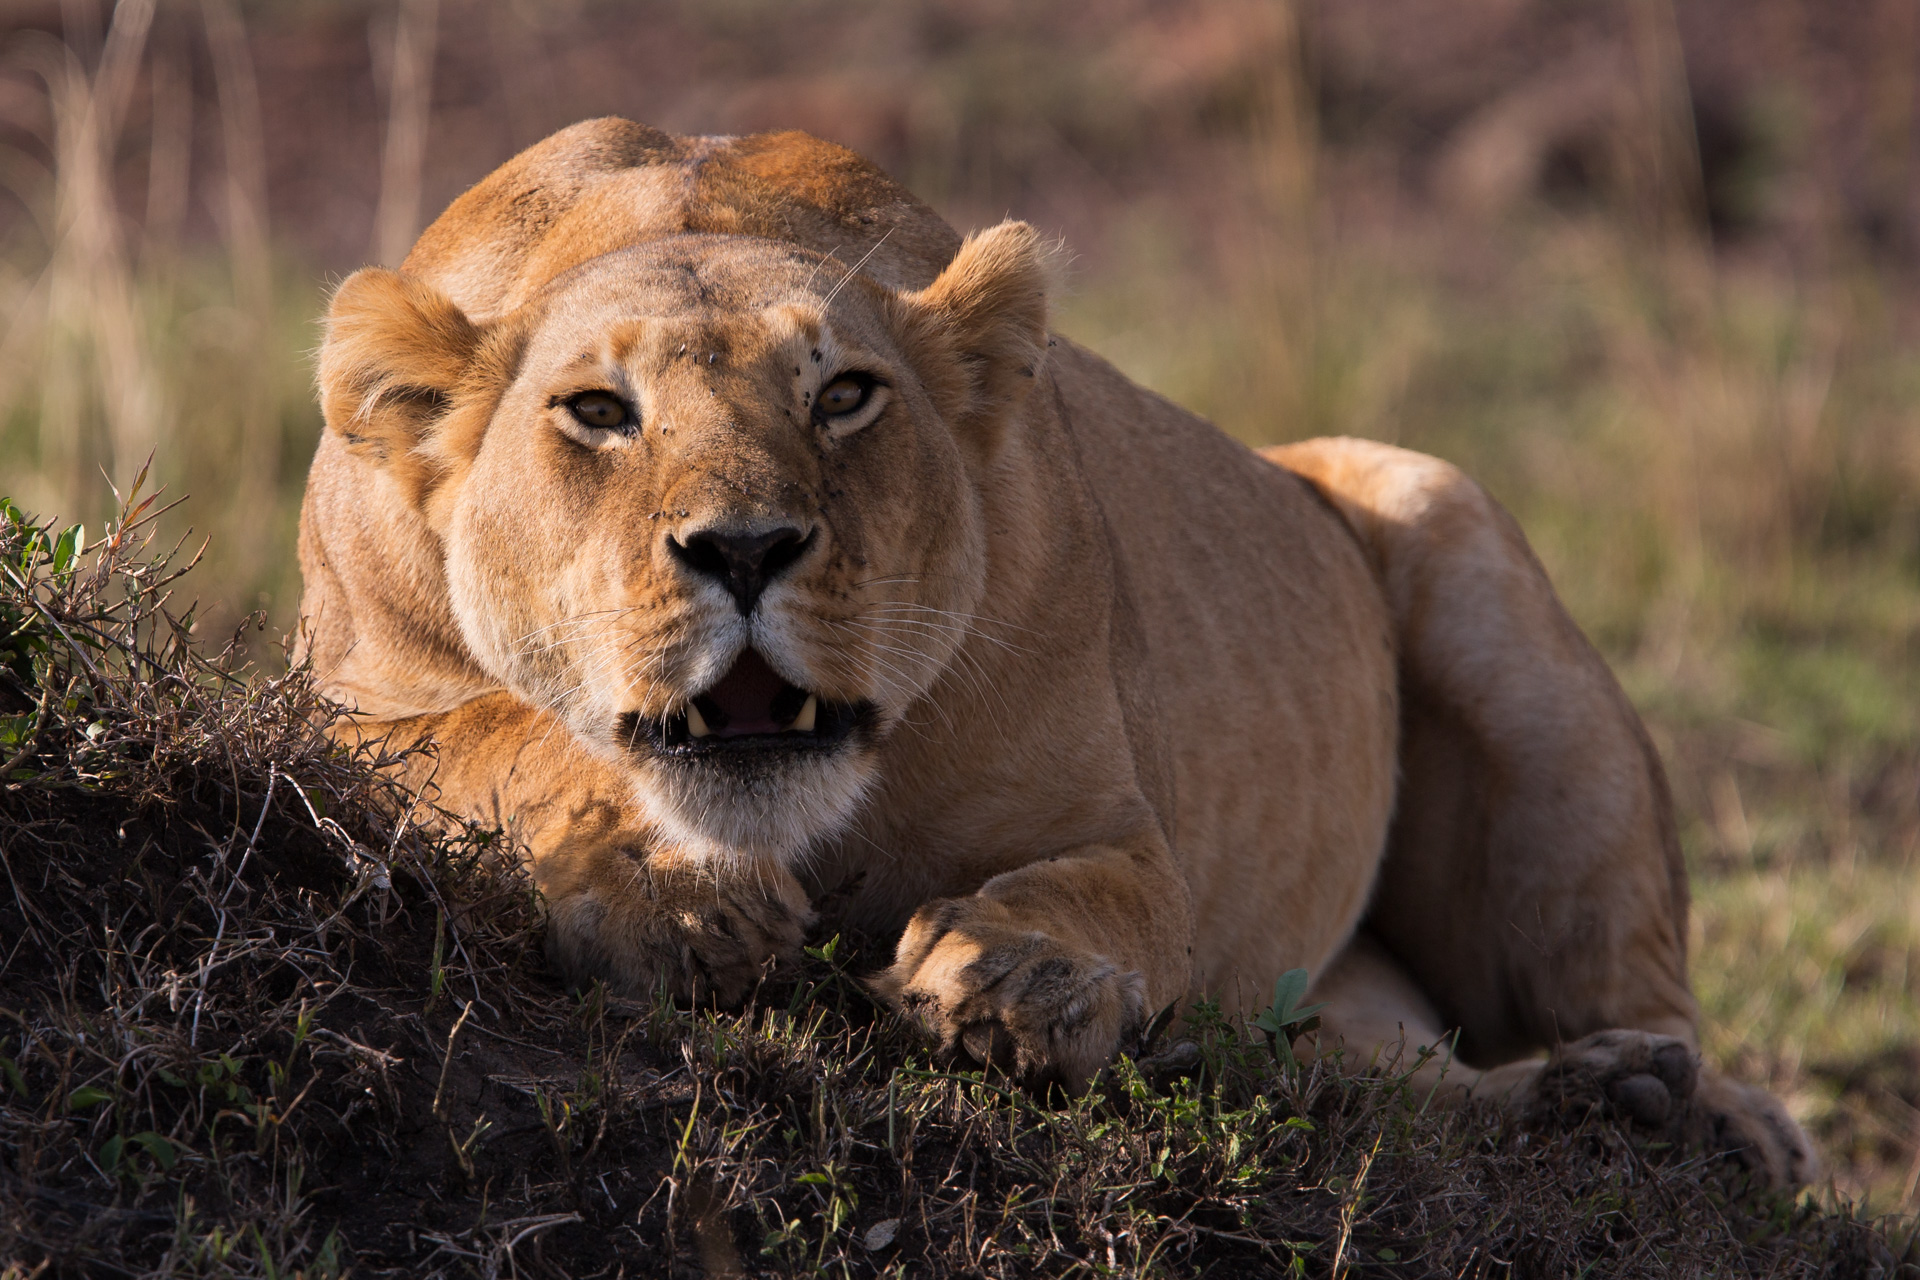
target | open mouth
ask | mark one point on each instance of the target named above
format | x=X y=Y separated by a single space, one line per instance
x=751 y=708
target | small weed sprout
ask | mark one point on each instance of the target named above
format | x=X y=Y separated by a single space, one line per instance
x=1286 y=1019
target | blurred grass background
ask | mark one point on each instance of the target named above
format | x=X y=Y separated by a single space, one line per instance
x=1647 y=270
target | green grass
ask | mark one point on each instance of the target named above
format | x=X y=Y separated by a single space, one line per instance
x=235 y=423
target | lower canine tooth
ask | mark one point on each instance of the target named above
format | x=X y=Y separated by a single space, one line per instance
x=696 y=723
x=803 y=723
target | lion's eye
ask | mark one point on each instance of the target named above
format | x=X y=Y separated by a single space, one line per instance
x=844 y=394
x=601 y=410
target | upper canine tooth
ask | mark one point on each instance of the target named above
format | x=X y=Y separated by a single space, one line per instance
x=696 y=723
x=803 y=723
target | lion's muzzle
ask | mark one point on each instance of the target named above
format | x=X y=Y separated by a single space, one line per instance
x=750 y=711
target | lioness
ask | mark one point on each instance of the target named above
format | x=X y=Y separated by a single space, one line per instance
x=743 y=539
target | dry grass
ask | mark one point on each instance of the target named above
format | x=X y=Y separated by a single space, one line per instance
x=256 y=1023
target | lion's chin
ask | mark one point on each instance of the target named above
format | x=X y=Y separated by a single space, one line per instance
x=754 y=806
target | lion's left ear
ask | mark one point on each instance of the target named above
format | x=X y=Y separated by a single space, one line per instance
x=979 y=332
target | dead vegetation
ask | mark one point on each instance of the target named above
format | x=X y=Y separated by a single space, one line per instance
x=254 y=1022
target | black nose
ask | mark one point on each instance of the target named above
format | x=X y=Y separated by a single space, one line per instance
x=742 y=563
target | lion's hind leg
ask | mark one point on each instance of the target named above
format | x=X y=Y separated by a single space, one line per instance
x=1378 y=1018
x=1533 y=895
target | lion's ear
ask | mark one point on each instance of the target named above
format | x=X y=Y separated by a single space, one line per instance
x=396 y=349
x=980 y=329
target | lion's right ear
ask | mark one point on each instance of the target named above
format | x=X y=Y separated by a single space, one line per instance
x=396 y=349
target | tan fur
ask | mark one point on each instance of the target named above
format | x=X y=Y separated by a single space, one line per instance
x=1147 y=716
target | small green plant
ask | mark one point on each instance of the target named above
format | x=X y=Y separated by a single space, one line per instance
x=115 y=1156
x=1286 y=1019
x=838 y=1202
x=30 y=553
x=10 y=1072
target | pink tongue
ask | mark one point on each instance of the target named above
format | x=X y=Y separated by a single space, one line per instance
x=745 y=696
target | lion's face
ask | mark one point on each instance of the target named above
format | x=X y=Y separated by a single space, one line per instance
x=716 y=508
x=717 y=522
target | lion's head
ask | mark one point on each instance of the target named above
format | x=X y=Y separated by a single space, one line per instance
x=711 y=498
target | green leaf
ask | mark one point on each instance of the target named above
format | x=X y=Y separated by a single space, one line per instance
x=1286 y=1010
x=266 y=1259
x=15 y=1081
x=66 y=548
x=1386 y=1255
x=158 y=1147
x=87 y=1096
x=327 y=1261
x=110 y=1151
x=1289 y=987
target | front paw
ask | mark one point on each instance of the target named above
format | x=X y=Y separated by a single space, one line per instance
x=649 y=924
x=1017 y=998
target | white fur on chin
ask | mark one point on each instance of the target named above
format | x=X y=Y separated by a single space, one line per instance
x=713 y=817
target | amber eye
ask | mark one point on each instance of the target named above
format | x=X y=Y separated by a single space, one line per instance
x=844 y=394
x=601 y=410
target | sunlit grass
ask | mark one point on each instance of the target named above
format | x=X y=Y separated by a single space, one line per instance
x=1807 y=976
x=237 y=418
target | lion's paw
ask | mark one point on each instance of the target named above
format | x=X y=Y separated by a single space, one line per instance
x=1016 y=998
x=1636 y=1075
x=690 y=931
x=1656 y=1082
x=1750 y=1124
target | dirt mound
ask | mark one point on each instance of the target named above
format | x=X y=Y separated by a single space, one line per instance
x=254 y=1020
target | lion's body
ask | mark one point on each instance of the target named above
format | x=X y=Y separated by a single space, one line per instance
x=1138 y=715
x=1245 y=696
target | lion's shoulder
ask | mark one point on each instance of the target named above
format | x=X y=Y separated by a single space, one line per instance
x=607 y=184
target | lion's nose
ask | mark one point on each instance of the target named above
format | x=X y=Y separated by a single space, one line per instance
x=743 y=563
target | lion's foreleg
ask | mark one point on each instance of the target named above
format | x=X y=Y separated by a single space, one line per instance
x=1049 y=969
x=646 y=920
x=622 y=907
